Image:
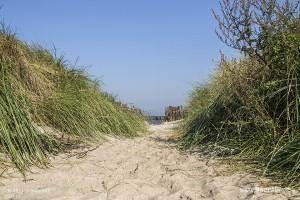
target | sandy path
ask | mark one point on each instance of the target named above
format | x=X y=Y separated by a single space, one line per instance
x=148 y=167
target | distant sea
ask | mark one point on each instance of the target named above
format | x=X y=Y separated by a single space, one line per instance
x=156 y=119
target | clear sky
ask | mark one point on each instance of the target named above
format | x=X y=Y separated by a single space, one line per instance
x=148 y=52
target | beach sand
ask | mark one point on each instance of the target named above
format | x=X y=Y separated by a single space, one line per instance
x=149 y=167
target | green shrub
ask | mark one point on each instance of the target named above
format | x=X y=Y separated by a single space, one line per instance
x=252 y=109
x=251 y=105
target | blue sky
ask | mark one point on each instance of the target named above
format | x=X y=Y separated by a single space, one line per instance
x=148 y=52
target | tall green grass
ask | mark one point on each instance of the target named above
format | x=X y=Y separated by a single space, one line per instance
x=40 y=90
x=250 y=109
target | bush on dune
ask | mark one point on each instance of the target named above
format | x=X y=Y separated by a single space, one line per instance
x=39 y=90
x=251 y=105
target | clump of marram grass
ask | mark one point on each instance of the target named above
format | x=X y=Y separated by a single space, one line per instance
x=37 y=90
x=17 y=132
x=252 y=109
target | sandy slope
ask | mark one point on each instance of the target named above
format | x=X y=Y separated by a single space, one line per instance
x=142 y=168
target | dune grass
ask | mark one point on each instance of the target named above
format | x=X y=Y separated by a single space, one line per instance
x=250 y=109
x=40 y=90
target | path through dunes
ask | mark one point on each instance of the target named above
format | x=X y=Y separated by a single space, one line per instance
x=147 y=167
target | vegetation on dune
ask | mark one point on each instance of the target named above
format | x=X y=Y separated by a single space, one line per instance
x=40 y=90
x=250 y=107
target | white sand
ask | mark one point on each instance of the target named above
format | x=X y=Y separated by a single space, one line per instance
x=148 y=167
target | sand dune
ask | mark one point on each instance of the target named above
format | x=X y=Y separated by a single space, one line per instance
x=147 y=167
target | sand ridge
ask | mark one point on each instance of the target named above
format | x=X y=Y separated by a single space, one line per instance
x=149 y=167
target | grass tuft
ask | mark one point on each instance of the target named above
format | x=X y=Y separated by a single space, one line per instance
x=39 y=90
x=252 y=109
